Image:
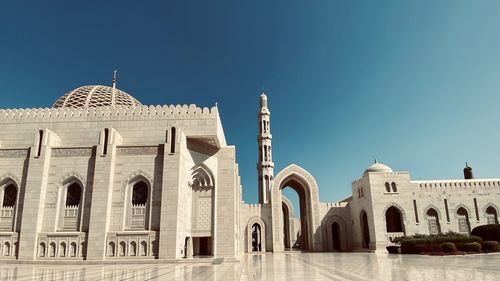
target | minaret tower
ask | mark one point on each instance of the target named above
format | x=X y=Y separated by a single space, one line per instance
x=265 y=166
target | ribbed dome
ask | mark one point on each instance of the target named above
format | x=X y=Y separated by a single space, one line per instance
x=377 y=168
x=95 y=96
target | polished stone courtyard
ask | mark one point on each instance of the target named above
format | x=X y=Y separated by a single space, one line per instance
x=285 y=266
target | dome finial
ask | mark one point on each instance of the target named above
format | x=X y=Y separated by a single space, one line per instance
x=113 y=81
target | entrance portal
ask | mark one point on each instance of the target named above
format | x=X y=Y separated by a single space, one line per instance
x=256 y=238
x=202 y=246
x=336 y=236
x=305 y=186
x=365 y=231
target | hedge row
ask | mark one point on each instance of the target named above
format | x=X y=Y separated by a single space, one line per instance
x=411 y=247
x=488 y=232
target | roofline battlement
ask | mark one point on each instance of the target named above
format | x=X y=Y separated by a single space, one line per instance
x=453 y=184
x=108 y=113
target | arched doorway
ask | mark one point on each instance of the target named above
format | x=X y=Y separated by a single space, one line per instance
x=491 y=215
x=433 y=221
x=394 y=220
x=256 y=235
x=336 y=236
x=365 y=231
x=463 y=220
x=256 y=238
x=303 y=183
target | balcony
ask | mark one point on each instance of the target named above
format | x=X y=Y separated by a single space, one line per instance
x=138 y=216
x=6 y=218
x=70 y=219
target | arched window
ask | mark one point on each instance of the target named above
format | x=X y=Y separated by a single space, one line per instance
x=73 y=195
x=123 y=248
x=62 y=250
x=387 y=187
x=491 y=215
x=133 y=248
x=52 y=249
x=140 y=193
x=394 y=188
x=72 y=249
x=433 y=221
x=144 y=248
x=138 y=207
x=111 y=249
x=41 y=250
x=393 y=219
x=69 y=210
x=6 y=249
x=9 y=196
x=463 y=220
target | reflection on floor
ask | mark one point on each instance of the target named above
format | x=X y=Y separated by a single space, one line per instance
x=286 y=266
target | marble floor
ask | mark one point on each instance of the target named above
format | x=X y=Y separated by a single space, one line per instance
x=285 y=266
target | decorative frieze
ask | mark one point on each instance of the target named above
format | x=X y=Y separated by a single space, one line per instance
x=137 y=150
x=72 y=152
x=13 y=153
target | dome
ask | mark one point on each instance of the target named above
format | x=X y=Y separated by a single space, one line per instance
x=95 y=96
x=378 y=168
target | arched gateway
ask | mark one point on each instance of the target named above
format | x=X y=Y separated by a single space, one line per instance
x=304 y=184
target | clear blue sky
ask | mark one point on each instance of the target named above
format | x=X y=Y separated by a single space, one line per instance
x=415 y=84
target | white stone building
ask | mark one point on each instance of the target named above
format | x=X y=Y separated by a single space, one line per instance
x=99 y=176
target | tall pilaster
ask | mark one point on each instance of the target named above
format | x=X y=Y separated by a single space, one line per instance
x=265 y=166
x=35 y=192
x=102 y=194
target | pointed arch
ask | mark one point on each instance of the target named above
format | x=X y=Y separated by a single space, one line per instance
x=338 y=243
x=394 y=218
x=9 y=202
x=136 y=176
x=70 y=198
x=137 y=195
x=432 y=206
x=201 y=177
x=252 y=239
x=304 y=183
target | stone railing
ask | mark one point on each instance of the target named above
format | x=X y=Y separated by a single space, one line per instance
x=138 y=216
x=132 y=244
x=391 y=235
x=70 y=219
x=62 y=245
x=8 y=245
x=6 y=218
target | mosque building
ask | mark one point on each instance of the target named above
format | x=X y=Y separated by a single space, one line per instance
x=99 y=176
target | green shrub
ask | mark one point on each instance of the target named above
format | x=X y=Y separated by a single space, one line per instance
x=392 y=249
x=472 y=247
x=488 y=232
x=448 y=247
x=409 y=247
x=491 y=246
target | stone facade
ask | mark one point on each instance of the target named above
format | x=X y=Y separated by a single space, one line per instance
x=128 y=181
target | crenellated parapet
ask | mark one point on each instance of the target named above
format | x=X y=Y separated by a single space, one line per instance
x=336 y=204
x=107 y=113
x=457 y=184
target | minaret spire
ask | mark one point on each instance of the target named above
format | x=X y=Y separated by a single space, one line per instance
x=265 y=166
x=113 y=82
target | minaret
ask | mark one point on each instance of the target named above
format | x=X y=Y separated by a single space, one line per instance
x=265 y=166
